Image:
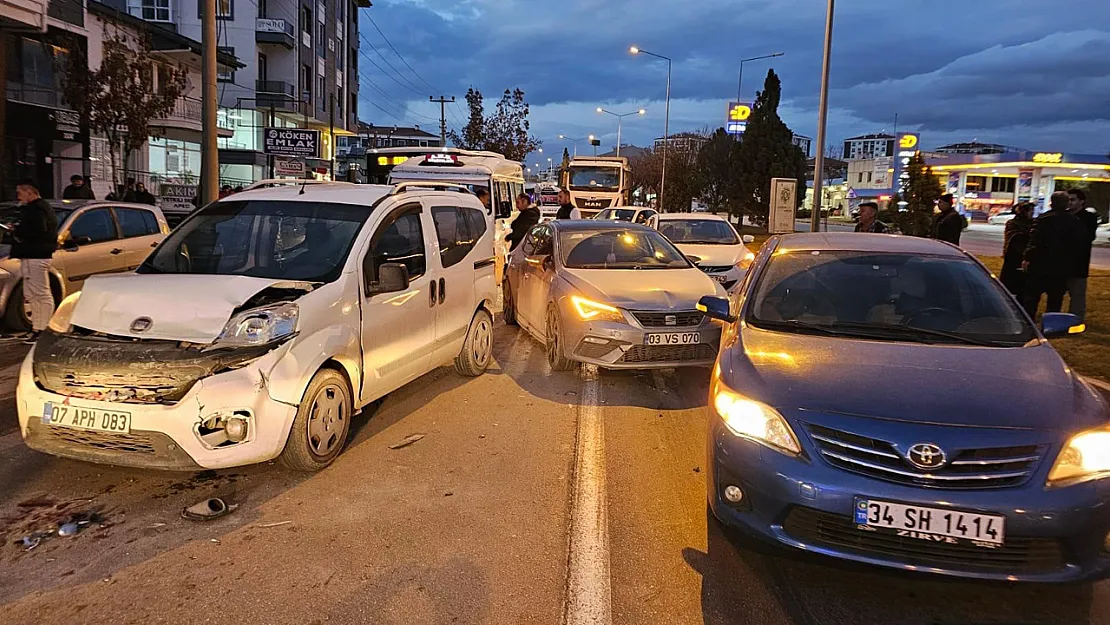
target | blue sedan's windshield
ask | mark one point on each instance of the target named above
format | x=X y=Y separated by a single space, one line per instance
x=886 y=295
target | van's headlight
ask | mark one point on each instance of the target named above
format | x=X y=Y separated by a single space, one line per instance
x=62 y=319
x=1085 y=457
x=589 y=310
x=260 y=326
x=754 y=420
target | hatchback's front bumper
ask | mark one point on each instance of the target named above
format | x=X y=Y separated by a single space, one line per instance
x=616 y=345
x=1052 y=535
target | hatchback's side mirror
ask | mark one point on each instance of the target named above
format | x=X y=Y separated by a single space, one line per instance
x=747 y=238
x=392 y=277
x=1061 y=324
x=716 y=308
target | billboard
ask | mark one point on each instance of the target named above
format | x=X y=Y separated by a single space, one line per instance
x=1025 y=185
x=784 y=202
x=906 y=147
x=736 y=121
x=291 y=142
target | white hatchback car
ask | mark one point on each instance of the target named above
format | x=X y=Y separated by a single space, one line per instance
x=711 y=243
x=261 y=325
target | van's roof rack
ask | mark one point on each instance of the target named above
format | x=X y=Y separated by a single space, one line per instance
x=281 y=182
x=402 y=187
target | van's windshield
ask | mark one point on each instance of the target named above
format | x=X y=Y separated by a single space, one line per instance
x=265 y=239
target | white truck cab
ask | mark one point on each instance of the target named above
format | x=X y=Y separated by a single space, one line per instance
x=261 y=325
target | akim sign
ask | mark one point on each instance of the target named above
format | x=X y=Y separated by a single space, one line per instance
x=291 y=142
x=738 y=115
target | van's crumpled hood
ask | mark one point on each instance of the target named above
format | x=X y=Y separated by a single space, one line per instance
x=714 y=255
x=191 y=308
x=648 y=289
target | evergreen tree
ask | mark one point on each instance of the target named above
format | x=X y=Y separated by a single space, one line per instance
x=767 y=151
x=473 y=136
x=922 y=192
x=717 y=168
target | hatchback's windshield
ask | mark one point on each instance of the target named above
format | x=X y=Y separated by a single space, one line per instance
x=266 y=239
x=699 y=231
x=888 y=296
x=616 y=214
x=619 y=249
x=597 y=178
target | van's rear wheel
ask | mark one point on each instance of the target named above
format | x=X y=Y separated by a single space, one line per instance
x=477 y=349
x=17 y=316
x=508 y=305
x=323 y=420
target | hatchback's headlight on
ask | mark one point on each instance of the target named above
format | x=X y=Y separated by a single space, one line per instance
x=754 y=420
x=1085 y=457
x=589 y=310
x=62 y=319
x=747 y=260
x=260 y=326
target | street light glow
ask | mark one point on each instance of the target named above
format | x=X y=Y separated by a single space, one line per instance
x=634 y=50
x=643 y=112
x=600 y=110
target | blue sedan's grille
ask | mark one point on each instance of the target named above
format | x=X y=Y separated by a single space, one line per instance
x=990 y=467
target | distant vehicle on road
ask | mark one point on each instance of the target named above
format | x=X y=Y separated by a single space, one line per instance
x=598 y=182
x=711 y=243
x=885 y=400
x=94 y=237
x=1000 y=219
x=632 y=214
x=613 y=294
x=261 y=325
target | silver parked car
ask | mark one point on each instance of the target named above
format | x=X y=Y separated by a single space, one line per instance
x=610 y=293
x=93 y=237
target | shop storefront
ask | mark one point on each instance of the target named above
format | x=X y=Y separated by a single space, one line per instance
x=44 y=144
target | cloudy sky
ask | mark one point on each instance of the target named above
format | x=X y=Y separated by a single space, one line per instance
x=1027 y=73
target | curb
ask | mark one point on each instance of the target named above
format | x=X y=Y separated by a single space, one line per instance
x=1099 y=384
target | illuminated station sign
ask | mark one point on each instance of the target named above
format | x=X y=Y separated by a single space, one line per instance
x=738 y=115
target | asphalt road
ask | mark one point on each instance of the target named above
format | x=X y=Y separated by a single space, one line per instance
x=534 y=497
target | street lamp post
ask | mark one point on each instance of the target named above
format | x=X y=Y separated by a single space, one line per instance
x=574 y=141
x=620 y=121
x=822 y=120
x=740 y=80
x=666 y=122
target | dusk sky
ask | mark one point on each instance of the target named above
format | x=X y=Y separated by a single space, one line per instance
x=1026 y=73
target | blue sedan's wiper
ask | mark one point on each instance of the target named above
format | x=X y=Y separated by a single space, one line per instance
x=913 y=331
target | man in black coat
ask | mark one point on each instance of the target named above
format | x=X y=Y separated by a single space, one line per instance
x=948 y=225
x=35 y=238
x=77 y=189
x=1050 y=256
x=142 y=196
x=1077 y=283
x=528 y=217
x=1014 y=243
x=566 y=209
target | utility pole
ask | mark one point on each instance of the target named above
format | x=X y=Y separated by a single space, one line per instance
x=209 y=155
x=442 y=117
x=822 y=122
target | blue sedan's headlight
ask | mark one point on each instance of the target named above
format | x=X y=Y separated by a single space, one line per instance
x=754 y=420
x=1085 y=457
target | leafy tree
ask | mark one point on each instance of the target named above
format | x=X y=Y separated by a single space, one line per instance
x=474 y=133
x=923 y=189
x=121 y=97
x=505 y=132
x=684 y=179
x=717 y=168
x=767 y=151
x=646 y=171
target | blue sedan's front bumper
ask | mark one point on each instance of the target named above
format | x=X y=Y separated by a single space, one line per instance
x=1052 y=535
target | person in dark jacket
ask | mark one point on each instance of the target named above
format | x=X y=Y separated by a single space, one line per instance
x=1050 y=255
x=566 y=209
x=77 y=189
x=35 y=239
x=1077 y=283
x=869 y=219
x=948 y=225
x=529 y=216
x=142 y=196
x=129 y=191
x=1013 y=248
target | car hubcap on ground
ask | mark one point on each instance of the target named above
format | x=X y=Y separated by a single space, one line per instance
x=482 y=343
x=327 y=420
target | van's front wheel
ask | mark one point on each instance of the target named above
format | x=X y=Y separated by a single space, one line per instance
x=323 y=420
x=477 y=349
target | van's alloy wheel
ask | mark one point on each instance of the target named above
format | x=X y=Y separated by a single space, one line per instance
x=322 y=423
x=508 y=306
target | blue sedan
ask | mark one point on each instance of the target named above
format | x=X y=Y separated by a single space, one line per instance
x=884 y=400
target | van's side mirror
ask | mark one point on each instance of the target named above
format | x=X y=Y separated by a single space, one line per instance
x=1061 y=324
x=747 y=238
x=505 y=210
x=392 y=277
x=716 y=308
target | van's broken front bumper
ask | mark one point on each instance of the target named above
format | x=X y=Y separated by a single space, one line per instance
x=165 y=398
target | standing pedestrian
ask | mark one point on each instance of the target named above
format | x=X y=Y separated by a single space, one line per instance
x=483 y=196
x=1077 y=283
x=948 y=224
x=1050 y=256
x=566 y=209
x=142 y=196
x=528 y=217
x=77 y=189
x=35 y=238
x=1015 y=240
x=869 y=219
x=129 y=191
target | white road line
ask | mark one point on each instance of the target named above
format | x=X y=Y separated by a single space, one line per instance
x=589 y=597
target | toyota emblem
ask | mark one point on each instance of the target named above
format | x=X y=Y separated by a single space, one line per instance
x=142 y=324
x=926 y=456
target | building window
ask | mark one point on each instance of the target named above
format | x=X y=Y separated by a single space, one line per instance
x=1003 y=185
x=306 y=83
x=224 y=73
x=321 y=41
x=339 y=104
x=225 y=9
x=322 y=105
x=151 y=10
x=306 y=20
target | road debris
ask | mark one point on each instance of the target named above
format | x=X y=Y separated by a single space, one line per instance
x=408 y=440
x=277 y=524
x=68 y=529
x=208 y=509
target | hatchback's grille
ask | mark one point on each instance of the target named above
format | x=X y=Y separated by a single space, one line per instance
x=990 y=467
x=132 y=443
x=1018 y=555
x=668 y=353
x=679 y=319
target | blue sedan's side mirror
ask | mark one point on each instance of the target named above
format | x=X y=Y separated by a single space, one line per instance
x=716 y=308
x=1061 y=324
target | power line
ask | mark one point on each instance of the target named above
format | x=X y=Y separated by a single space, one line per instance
x=409 y=84
x=392 y=47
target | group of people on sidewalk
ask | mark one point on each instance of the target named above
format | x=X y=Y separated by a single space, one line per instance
x=948 y=224
x=530 y=216
x=1050 y=255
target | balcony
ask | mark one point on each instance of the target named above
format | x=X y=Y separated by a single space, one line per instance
x=67 y=11
x=274 y=31
x=24 y=14
x=277 y=94
x=187 y=115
